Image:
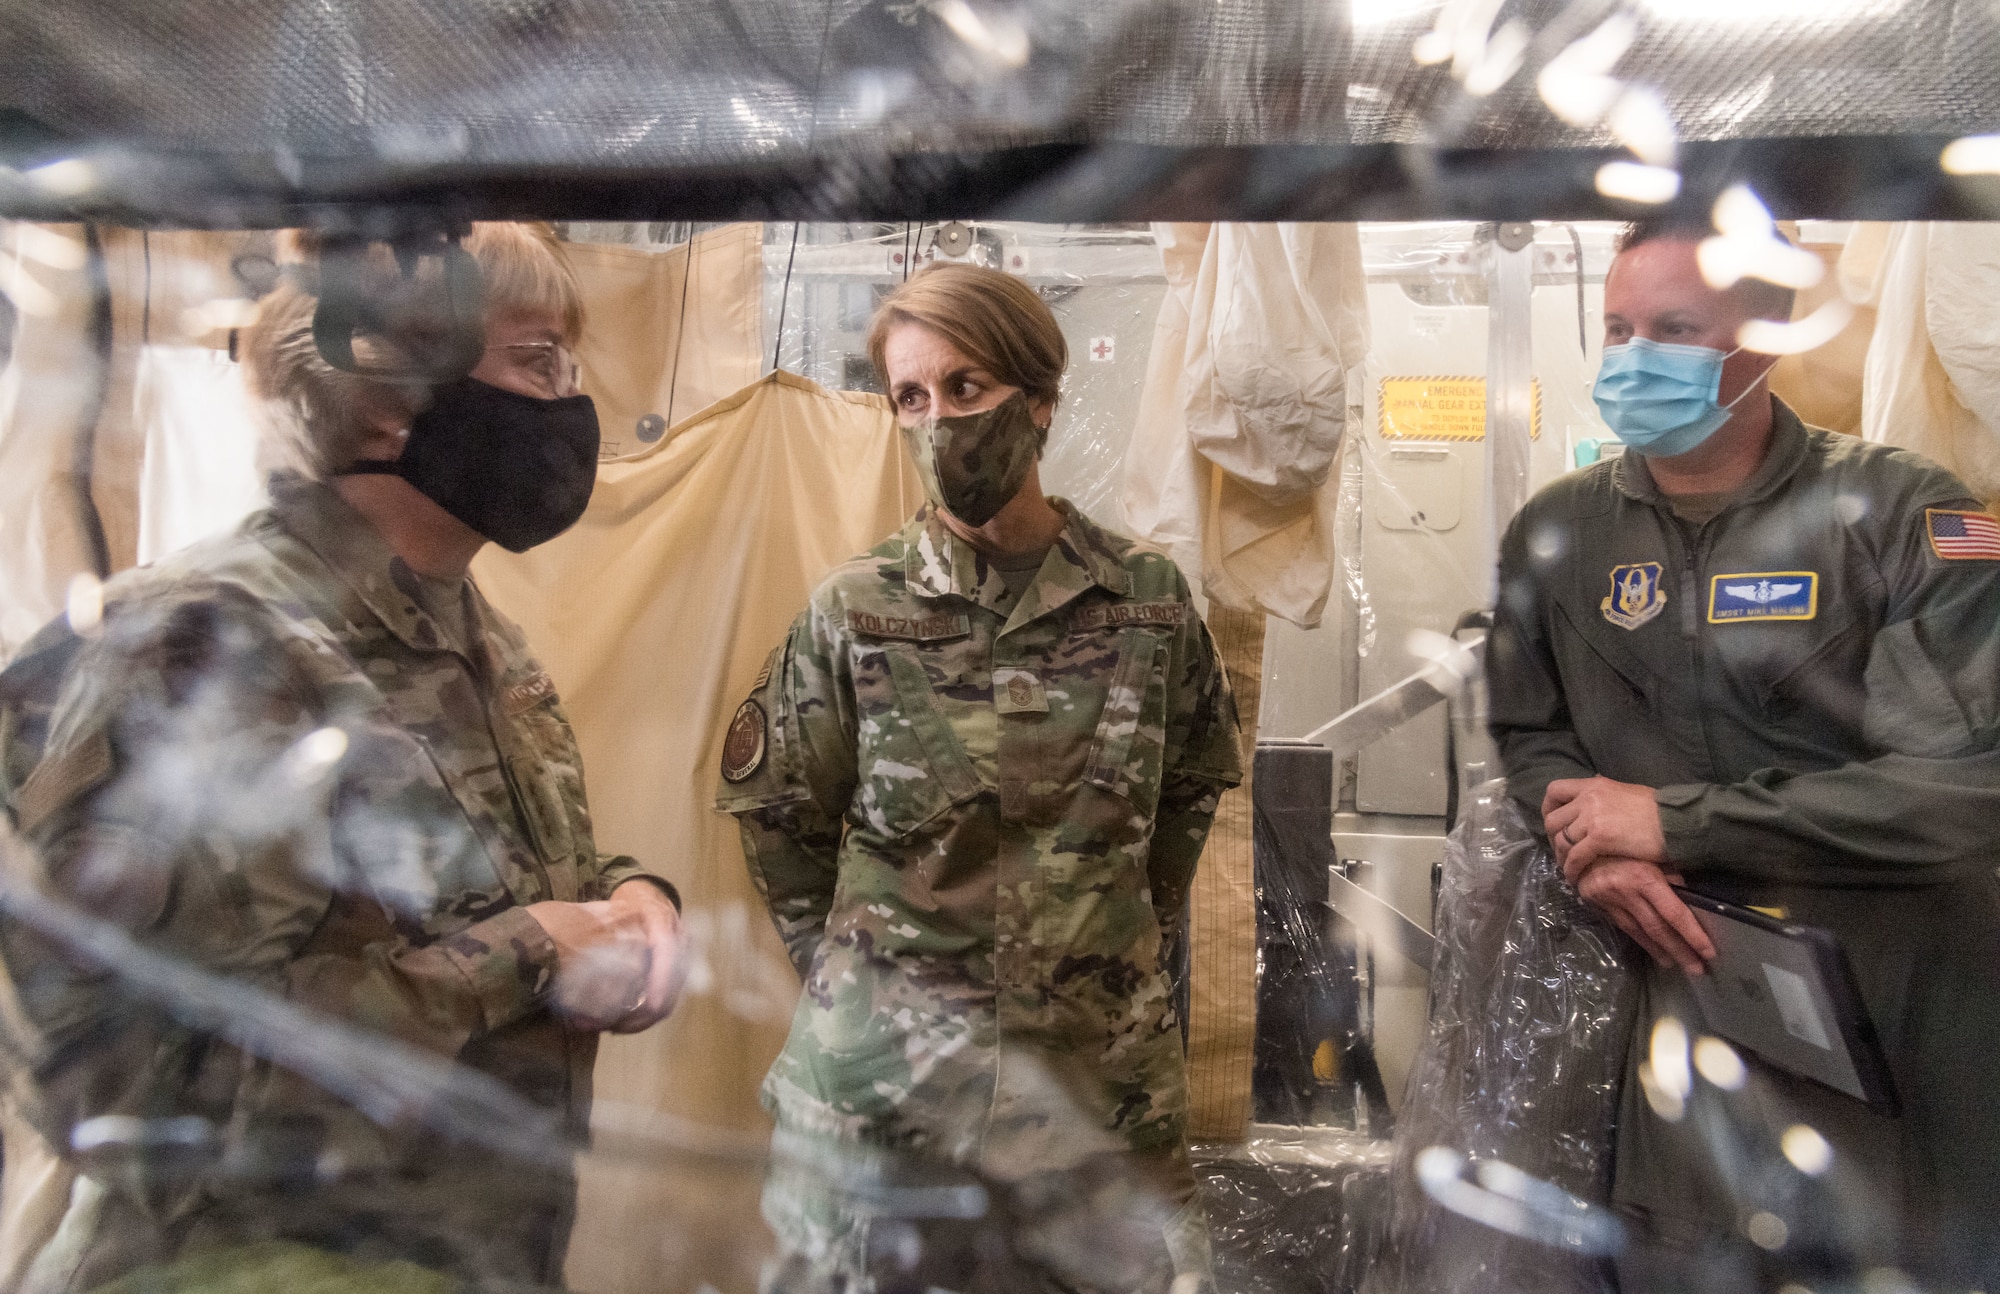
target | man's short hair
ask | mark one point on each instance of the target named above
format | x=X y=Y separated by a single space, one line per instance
x=1763 y=300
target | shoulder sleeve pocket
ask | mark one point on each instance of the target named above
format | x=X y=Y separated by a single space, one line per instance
x=1910 y=708
x=1126 y=756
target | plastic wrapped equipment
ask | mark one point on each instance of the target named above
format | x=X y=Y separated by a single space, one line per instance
x=1532 y=1007
x=1294 y=1210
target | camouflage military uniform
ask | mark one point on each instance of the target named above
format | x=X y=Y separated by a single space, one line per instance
x=975 y=817
x=163 y=769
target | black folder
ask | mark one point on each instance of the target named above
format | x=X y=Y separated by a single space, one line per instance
x=1786 y=993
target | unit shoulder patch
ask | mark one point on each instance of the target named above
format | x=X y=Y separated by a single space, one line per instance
x=1958 y=536
x=937 y=628
x=1114 y=614
x=1763 y=595
x=1637 y=595
x=743 y=747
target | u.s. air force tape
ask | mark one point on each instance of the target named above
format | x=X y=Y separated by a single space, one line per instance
x=743 y=747
x=1110 y=615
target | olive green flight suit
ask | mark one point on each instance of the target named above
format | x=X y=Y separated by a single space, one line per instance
x=975 y=816
x=1812 y=685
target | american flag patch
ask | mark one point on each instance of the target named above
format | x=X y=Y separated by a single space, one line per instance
x=1963 y=536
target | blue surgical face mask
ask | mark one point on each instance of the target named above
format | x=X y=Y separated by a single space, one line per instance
x=1660 y=398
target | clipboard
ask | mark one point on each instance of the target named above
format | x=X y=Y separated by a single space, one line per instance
x=1787 y=993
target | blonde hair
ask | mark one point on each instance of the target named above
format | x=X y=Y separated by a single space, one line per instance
x=996 y=320
x=319 y=416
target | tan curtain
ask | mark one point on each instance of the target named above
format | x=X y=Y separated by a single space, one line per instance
x=1222 y=989
x=654 y=615
x=670 y=331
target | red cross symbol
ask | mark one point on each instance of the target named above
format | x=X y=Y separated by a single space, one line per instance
x=1100 y=348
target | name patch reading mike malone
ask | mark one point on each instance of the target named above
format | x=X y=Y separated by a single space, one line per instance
x=1763 y=595
x=1113 y=614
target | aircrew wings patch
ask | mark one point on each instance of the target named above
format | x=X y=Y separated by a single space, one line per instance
x=1763 y=595
x=1963 y=536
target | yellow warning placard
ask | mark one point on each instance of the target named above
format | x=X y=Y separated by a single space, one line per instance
x=1445 y=408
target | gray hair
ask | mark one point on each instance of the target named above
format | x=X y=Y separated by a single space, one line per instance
x=317 y=417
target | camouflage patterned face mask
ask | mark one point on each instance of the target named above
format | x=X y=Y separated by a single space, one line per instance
x=973 y=464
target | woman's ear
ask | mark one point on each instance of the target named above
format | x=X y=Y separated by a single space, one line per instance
x=1043 y=412
x=387 y=414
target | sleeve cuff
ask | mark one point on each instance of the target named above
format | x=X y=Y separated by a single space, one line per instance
x=1684 y=822
x=660 y=883
x=510 y=962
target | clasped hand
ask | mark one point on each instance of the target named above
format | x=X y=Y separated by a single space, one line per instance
x=618 y=963
x=1607 y=837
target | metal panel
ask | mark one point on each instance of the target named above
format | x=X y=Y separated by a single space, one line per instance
x=1422 y=568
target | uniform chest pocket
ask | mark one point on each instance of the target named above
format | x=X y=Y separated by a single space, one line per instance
x=1807 y=668
x=547 y=779
x=1600 y=669
x=1129 y=749
x=911 y=768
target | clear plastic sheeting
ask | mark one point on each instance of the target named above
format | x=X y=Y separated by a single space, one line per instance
x=1295 y=1210
x=1503 y=1150
x=631 y=82
x=1315 y=1058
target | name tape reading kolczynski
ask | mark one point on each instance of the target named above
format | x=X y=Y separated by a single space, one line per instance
x=909 y=628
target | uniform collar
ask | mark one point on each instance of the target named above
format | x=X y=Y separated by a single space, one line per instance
x=358 y=554
x=1782 y=458
x=940 y=564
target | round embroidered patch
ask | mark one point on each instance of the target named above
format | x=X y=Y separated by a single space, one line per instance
x=743 y=748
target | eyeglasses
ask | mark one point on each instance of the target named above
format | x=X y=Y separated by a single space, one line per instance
x=548 y=366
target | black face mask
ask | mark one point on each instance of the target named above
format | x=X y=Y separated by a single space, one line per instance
x=517 y=469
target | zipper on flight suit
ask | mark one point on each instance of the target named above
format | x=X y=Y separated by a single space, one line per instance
x=1693 y=543
x=1686 y=555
